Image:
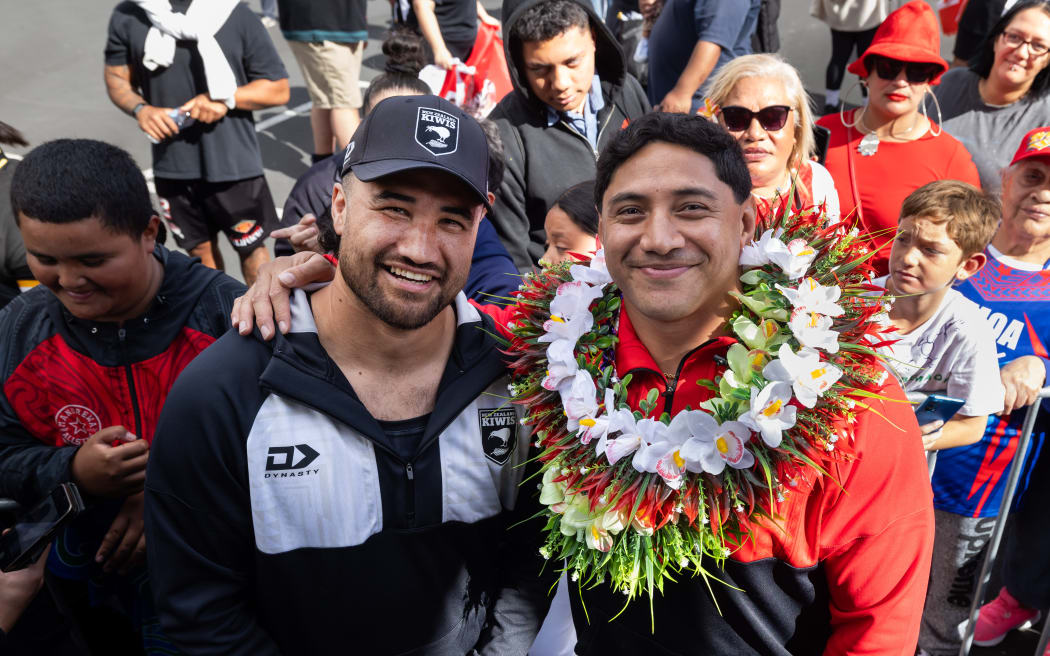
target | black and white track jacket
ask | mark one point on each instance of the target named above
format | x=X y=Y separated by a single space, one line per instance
x=279 y=522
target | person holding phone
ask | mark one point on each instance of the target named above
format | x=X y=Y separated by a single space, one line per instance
x=761 y=101
x=945 y=348
x=89 y=356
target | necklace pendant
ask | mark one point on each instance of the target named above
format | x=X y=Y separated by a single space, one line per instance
x=869 y=145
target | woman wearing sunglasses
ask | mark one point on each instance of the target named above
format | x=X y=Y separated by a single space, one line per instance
x=882 y=152
x=762 y=103
x=1005 y=92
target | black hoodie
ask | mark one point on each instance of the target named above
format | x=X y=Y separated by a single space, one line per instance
x=542 y=162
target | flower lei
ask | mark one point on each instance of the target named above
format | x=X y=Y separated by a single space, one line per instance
x=635 y=497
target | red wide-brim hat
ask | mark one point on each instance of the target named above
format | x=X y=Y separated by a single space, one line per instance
x=909 y=34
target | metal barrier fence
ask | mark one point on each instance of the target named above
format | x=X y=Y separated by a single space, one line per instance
x=1000 y=525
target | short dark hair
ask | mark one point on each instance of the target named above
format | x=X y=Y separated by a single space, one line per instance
x=694 y=132
x=545 y=20
x=982 y=63
x=578 y=203
x=69 y=180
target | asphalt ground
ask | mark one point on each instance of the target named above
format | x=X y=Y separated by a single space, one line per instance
x=51 y=86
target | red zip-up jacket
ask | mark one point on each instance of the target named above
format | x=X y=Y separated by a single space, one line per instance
x=65 y=379
x=846 y=574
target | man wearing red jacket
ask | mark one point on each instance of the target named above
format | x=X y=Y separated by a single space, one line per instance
x=846 y=569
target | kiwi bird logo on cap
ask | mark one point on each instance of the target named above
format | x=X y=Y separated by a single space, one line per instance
x=437 y=131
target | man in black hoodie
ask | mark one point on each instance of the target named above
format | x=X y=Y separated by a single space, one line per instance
x=572 y=93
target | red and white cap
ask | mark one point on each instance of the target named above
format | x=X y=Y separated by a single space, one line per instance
x=1035 y=144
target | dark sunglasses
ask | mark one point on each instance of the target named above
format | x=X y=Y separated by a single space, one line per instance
x=915 y=72
x=771 y=118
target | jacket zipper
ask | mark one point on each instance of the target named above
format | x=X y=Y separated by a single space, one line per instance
x=121 y=335
x=597 y=139
x=411 y=474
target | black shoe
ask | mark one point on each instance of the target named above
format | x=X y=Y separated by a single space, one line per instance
x=829 y=109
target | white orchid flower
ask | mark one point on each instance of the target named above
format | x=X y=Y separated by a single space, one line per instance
x=711 y=445
x=814 y=330
x=770 y=415
x=561 y=364
x=598 y=538
x=620 y=421
x=809 y=376
x=598 y=426
x=573 y=299
x=795 y=259
x=811 y=296
x=578 y=399
x=634 y=436
x=758 y=253
x=595 y=273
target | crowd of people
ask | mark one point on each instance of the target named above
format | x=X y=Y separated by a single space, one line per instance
x=342 y=469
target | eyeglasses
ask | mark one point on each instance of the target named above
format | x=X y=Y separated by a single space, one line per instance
x=915 y=72
x=772 y=118
x=1015 y=40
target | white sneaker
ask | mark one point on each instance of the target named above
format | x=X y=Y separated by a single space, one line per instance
x=269 y=23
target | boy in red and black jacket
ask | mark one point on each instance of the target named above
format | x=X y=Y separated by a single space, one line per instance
x=88 y=358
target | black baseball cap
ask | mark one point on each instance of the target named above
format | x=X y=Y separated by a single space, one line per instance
x=419 y=132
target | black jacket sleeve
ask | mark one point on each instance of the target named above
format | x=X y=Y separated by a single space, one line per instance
x=198 y=516
x=528 y=581
x=29 y=469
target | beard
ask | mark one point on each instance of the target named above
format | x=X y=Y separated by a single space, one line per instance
x=361 y=275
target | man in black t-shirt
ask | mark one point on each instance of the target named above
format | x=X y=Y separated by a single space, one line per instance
x=209 y=173
x=450 y=27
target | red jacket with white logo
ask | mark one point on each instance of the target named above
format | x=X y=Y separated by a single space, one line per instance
x=845 y=574
x=65 y=379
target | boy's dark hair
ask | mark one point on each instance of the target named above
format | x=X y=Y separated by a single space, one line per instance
x=578 y=203
x=971 y=215
x=405 y=57
x=69 y=180
x=693 y=132
x=545 y=20
x=985 y=58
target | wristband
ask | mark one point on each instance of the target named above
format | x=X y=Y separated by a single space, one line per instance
x=138 y=108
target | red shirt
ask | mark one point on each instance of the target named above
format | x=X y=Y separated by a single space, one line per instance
x=885 y=179
x=868 y=543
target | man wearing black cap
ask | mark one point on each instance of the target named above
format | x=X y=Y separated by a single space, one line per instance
x=348 y=487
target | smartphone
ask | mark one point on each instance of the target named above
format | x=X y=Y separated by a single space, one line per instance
x=937 y=406
x=821 y=136
x=34 y=529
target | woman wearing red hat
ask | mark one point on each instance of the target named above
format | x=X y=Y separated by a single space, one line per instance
x=1005 y=91
x=882 y=152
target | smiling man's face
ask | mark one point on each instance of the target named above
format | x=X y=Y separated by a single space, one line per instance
x=672 y=233
x=406 y=242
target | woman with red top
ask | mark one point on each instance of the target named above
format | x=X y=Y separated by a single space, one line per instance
x=882 y=152
x=762 y=103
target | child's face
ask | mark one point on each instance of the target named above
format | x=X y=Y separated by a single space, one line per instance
x=924 y=258
x=564 y=237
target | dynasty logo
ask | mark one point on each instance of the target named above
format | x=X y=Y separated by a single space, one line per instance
x=290 y=461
